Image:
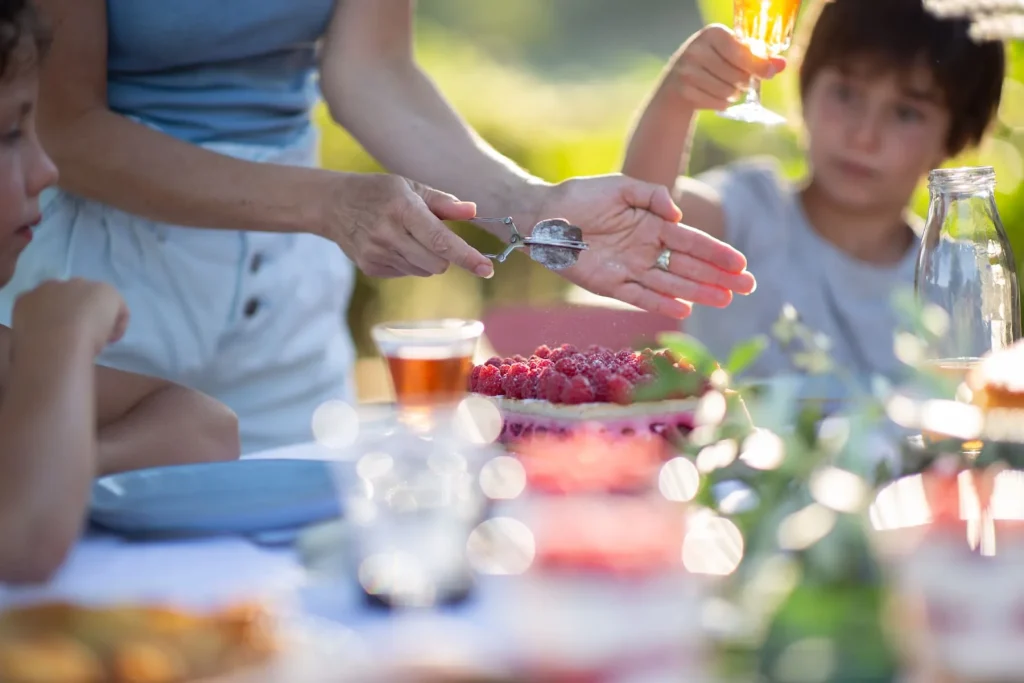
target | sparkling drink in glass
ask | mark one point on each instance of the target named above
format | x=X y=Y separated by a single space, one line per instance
x=767 y=27
x=429 y=361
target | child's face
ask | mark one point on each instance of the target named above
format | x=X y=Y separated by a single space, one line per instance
x=873 y=133
x=25 y=170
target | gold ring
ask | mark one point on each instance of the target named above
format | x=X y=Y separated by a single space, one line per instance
x=664 y=259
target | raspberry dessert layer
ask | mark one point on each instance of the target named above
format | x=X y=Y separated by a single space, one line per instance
x=563 y=390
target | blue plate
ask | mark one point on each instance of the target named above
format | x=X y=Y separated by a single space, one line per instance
x=239 y=497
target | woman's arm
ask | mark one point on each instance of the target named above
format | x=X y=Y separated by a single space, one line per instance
x=112 y=159
x=376 y=90
x=386 y=225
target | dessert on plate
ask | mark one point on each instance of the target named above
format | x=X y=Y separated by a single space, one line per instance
x=561 y=389
x=68 y=643
x=997 y=381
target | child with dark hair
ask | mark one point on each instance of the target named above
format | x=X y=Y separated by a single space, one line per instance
x=63 y=420
x=888 y=92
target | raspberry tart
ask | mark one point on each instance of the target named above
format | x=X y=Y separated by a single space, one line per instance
x=563 y=390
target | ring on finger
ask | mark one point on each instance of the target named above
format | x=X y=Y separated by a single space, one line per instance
x=664 y=260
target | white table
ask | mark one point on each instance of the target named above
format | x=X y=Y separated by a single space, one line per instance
x=212 y=572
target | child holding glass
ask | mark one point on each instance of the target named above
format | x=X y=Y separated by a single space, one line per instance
x=888 y=93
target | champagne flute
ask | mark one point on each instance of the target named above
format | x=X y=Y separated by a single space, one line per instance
x=766 y=26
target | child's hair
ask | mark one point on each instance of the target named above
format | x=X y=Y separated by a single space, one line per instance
x=21 y=27
x=900 y=34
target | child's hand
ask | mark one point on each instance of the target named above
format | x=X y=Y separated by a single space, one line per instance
x=714 y=66
x=91 y=312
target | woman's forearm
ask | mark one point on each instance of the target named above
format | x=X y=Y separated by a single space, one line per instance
x=405 y=122
x=111 y=159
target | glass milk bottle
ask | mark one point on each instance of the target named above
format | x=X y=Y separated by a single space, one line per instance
x=966 y=267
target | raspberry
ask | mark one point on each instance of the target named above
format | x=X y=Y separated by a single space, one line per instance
x=519 y=369
x=518 y=359
x=569 y=348
x=557 y=355
x=625 y=355
x=620 y=390
x=489 y=381
x=474 y=377
x=578 y=391
x=505 y=367
x=542 y=351
x=552 y=386
x=517 y=384
x=599 y=380
x=568 y=367
x=630 y=374
x=495 y=361
x=537 y=379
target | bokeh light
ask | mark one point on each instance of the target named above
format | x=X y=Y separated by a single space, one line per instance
x=900 y=505
x=478 y=420
x=335 y=425
x=717 y=456
x=679 y=480
x=839 y=490
x=503 y=478
x=713 y=545
x=805 y=527
x=711 y=409
x=501 y=546
x=763 y=450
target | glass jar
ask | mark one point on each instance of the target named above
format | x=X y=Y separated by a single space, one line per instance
x=966 y=267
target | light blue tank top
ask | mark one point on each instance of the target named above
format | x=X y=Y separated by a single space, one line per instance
x=216 y=70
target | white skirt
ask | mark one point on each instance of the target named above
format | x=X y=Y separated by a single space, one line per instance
x=254 y=319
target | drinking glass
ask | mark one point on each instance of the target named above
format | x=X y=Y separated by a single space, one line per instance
x=429 y=362
x=767 y=27
x=412 y=502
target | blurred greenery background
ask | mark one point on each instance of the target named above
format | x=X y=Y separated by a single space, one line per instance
x=555 y=85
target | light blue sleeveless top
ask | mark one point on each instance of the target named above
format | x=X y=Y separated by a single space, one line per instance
x=216 y=70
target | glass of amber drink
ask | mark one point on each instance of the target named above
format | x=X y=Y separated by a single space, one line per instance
x=767 y=27
x=429 y=362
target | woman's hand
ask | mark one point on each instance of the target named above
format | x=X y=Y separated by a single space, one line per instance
x=390 y=226
x=628 y=225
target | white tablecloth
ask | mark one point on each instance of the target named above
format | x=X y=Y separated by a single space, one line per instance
x=211 y=572
x=200 y=572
